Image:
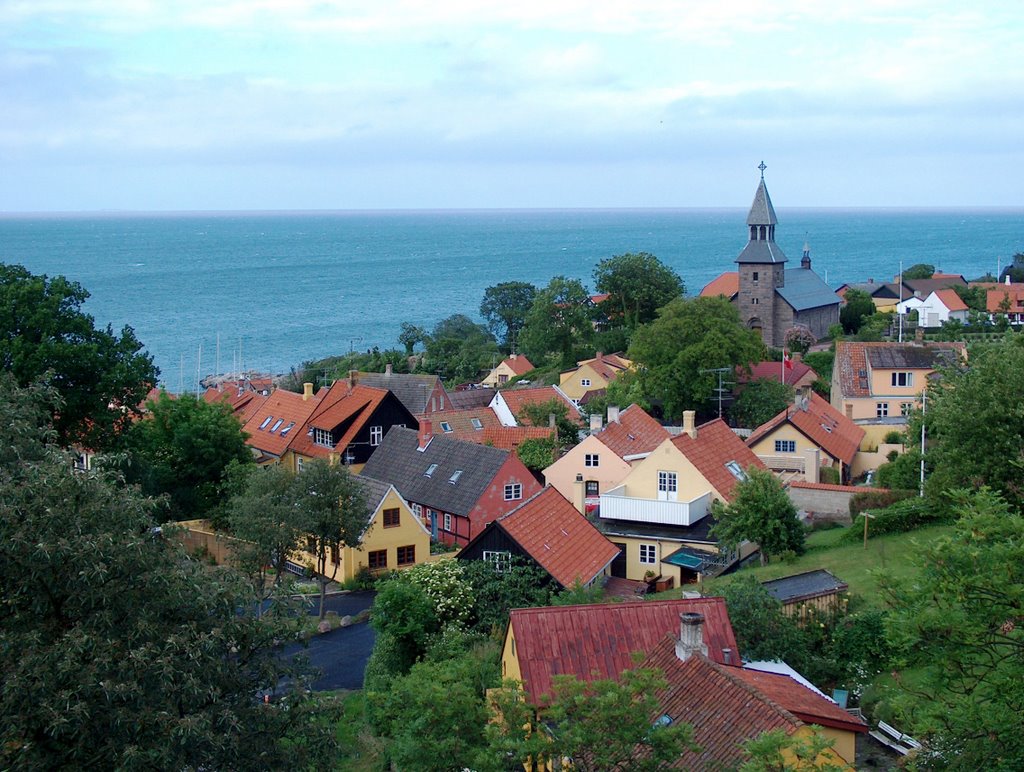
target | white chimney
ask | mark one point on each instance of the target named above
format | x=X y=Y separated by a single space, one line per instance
x=613 y=414
x=596 y=423
x=689 y=423
x=387 y=369
x=691 y=636
x=812 y=465
x=579 y=495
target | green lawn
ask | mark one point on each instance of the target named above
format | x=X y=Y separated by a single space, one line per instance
x=851 y=562
x=360 y=750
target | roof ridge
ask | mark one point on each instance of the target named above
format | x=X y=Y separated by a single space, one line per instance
x=751 y=689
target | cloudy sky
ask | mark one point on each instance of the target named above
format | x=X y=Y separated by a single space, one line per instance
x=354 y=104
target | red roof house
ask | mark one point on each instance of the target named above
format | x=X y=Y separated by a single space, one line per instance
x=727 y=285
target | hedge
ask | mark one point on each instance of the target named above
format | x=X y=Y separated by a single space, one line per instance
x=877 y=500
x=900 y=517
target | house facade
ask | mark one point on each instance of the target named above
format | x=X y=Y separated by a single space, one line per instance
x=592 y=375
x=936 y=309
x=509 y=370
x=508 y=404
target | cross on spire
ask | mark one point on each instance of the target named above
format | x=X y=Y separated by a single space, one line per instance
x=762 y=167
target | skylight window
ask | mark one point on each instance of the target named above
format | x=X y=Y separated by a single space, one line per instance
x=827 y=428
x=277 y=425
x=446 y=427
x=455 y=476
x=287 y=429
x=477 y=423
x=430 y=470
x=266 y=422
x=736 y=469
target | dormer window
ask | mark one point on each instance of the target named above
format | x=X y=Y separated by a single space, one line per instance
x=323 y=438
x=430 y=470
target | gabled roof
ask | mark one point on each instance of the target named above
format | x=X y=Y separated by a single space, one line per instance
x=342 y=407
x=715 y=446
x=282 y=411
x=1013 y=292
x=399 y=461
x=507 y=437
x=635 y=432
x=464 y=421
x=723 y=709
x=608 y=366
x=772 y=371
x=412 y=389
x=852 y=359
x=469 y=398
x=798 y=700
x=928 y=286
x=598 y=641
x=562 y=541
x=375 y=492
x=518 y=364
x=804 y=586
x=821 y=423
x=517 y=399
x=950 y=300
x=804 y=289
x=761 y=210
x=727 y=285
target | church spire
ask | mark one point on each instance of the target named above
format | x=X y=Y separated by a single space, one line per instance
x=761 y=221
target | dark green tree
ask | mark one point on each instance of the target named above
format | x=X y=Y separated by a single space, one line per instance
x=101 y=376
x=505 y=307
x=409 y=335
x=760 y=511
x=119 y=651
x=975 y=298
x=857 y=304
x=559 y=323
x=919 y=271
x=760 y=401
x=687 y=337
x=638 y=284
x=537 y=453
x=458 y=349
x=182 y=450
x=1014 y=270
x=776 y=751
x=539 y=414
x=522 y=584
x=762 y=630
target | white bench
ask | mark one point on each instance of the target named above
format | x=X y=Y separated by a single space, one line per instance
x=893 y=738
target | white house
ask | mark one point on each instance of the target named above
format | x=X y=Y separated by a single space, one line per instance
x=940 y=306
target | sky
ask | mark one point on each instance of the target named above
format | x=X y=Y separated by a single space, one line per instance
x=436 y=104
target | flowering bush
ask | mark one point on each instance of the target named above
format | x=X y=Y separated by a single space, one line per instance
x=799 y=338
x=447 y=588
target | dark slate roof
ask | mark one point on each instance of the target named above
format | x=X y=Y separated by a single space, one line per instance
x=804 y=289
x=461 y=400
x=809 y=584
x=911 y=357
x=761 y=252
x=761 y=211
x=399 y=461
x=412 y=390
x=374 y=490
x=698 y=532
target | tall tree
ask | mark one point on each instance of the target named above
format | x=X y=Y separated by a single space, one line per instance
x=505 y=307
x=857 y=305
x=333 y=515
x=409 y=335
x=760 y=401
x=119 y=651
x=760 y=511
x=458 y=349
x=638 y=284
x=690 y=337
x=182 y=449
x=101 y=376
x=539 y=414
x=559 y=322
x=919 y=271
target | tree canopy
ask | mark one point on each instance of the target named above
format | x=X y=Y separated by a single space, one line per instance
x=919 y=271
x=119 y=650
x=687 y=337
x=760 y=401
x=638 y=284
x=101 y=376
x=559 y=323
x=458 y=349
x=857 y=305
x=505 y=307
x=760 y=511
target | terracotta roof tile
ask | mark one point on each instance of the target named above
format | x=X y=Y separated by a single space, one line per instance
x=853 y=359
x=598 y=641
x=951 y=300
x=518 y=364
x=517 y=399
x=558 y=537
x=1013 y=292
x=608 y=366
x=715 y=446
x=283 y=411
x=796 y=698
x=635 y=432
x=772 y=371
x=822 y=424
x=463 y=423
x=341 y=405
x=728 y=284
x=506 y=437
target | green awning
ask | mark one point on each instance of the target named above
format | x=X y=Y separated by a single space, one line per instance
x=685 y=560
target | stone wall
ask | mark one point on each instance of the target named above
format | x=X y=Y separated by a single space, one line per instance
x=823 y=502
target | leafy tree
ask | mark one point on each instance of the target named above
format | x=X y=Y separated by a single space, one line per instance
x=578 y=595
x=903 y=472
x=101 y=376
x=333 y=514
x=539 y=414
x=598 y=725
x=919 y=271
x=1015 y=270
x=406 y=617
x=638 y=284
x=975 y=427
x=821 y=362
x=762 y=630
x=975 y=298
x=687 y=337
x=182 y=449
x=799 y=338
x=776 y=751
x=119 y=651
x=874 y=327
x=522 y=585
x=536 y=453
x=857 y=304
x=959 y=626
x=760 y=401
x=559 y=322
x=505 y=307
x=409 y=335
x=761 y=512
x=459 y=348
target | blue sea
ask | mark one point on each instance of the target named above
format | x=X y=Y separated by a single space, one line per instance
x=209 y=293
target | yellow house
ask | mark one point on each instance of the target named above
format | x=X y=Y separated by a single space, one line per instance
x=592 y=375
x=509 y=370
x=394 y=537
x=659 y=514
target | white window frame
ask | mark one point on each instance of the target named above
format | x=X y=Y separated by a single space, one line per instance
x=584 y=381
x=323 y=438
x=417 y=510
x=648 y=554
x=592 y=459
x=668 y=482
x=349 y=457
x=376 y=435
x=785 y=446
x=446 y=427
x=906 y=377
x=500 y=559
x=447 y=522
x=906 y=408
x=477 y=423
x=513 y=491
x=300 y=462
x=881 y=410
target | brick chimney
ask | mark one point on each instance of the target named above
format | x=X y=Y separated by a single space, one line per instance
x=689 y=423
x=388 y=369
x=307 y=391
x=353 y=376
x=596 y=423
x=426 y=433
x=613 y=414
x=691 y=636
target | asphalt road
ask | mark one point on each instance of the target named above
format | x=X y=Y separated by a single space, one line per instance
x=340 y=655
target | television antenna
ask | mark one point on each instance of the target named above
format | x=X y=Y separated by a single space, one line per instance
x=720 y=390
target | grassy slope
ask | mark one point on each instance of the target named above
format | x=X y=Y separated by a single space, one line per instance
x=851 y=562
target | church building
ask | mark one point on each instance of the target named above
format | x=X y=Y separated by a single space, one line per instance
x=771 y=298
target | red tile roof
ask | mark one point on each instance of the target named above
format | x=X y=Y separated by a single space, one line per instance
x=516 y=399
x=285 y=406
x=821 y=423
x=507 y=437
x=796 y=698
x=1013 y=292
x=608 y=366
x=341 y=404
x=518 y=364
x=243 y=404
x=772 y=371
x=559 y=538
x=715 y=446
x=947 y=276
x=951 y=300
x=835 y=488
x=635 y=432
x=728 y=284
x=599 y=298
x=598 y=641
x=461 y=422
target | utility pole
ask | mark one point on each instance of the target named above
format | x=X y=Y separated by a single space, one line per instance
x=721 y=384
x=901 y=311
x=924 y=403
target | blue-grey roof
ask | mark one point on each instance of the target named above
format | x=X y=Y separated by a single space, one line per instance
x=809 y=584
x=804 y=289
x=761 y=252
x=761 y=211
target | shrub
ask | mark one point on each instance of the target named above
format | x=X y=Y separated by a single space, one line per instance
x=877 y=500
x=900 y=517
x=894 y=438
x=829 y=474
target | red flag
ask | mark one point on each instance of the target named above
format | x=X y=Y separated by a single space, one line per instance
x=787 y=360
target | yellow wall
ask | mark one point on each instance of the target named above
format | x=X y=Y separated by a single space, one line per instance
x=609 y=472
x=844 y=742
x=636 y=570
x=493 y=378
x=881 y=383
x=509 y=661
x=642 y=481
x=570 y=382
x=786 y=431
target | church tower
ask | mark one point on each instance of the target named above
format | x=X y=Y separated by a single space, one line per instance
x=762 y=268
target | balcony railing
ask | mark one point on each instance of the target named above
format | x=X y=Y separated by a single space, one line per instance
x=615 y=505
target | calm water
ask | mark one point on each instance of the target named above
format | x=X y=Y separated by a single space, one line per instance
x=284 y=288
